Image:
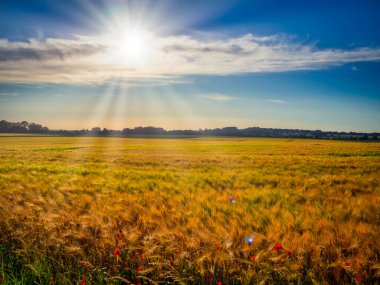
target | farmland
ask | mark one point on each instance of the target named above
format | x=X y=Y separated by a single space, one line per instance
x=191 y=211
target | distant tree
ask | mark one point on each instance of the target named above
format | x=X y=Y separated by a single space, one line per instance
x=105 y=132
x=96 y=131
x=4 y=126
x=37 y=128
x=24 y=125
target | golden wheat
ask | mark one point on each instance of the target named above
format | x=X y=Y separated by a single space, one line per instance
x=166 y=206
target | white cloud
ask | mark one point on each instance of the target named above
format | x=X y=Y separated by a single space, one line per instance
x=215 y=97
x=93 y=60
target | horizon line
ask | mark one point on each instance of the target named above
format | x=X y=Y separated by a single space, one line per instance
x=199 y=129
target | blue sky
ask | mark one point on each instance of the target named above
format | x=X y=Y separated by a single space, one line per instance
x=191 y=64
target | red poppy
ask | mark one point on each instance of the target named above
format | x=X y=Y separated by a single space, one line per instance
x=253 y=257
x=139 y=268
x=51 y=282
x=83 y=263
x=219 y=283
x=357 y=265
x=289 y=252
x=277 y=247
x=82 y=282
x=142 y=256
x=358 y=279
x=348 y=265
x=116 y=252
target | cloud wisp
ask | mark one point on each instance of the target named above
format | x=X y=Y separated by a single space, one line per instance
x=218 y=97
x=278 y=101
x=93 y=59
x=9 y=94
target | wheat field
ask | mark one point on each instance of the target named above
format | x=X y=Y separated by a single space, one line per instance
x=188 y=211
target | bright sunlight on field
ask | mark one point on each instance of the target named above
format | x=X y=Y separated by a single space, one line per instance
x=191 y=211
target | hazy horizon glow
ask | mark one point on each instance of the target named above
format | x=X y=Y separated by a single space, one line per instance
x=180 y=66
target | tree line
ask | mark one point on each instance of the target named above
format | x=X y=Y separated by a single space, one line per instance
x=21 y=127
x=25 y=127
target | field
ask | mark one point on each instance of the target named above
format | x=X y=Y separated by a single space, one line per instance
x=188 y=211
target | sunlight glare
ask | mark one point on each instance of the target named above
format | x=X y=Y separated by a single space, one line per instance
x=134 y=47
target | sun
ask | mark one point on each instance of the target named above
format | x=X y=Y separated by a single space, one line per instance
x=134 y=47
